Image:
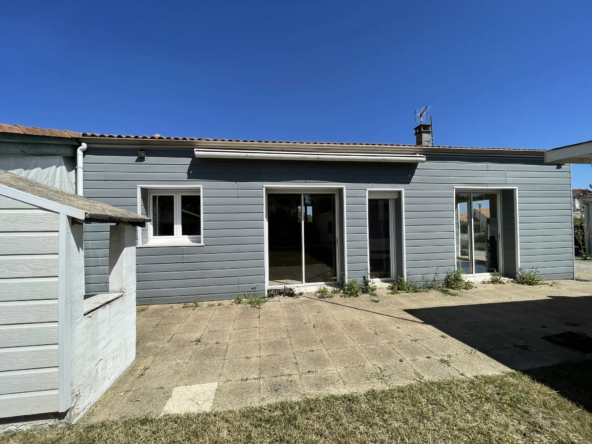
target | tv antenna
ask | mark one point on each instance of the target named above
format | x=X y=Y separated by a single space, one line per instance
x=421 y=113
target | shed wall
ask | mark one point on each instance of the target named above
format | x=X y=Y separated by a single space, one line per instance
x=232 y=259
x=28 y=309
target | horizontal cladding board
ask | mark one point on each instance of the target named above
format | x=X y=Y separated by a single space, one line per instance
x=25 y=358
x=429 y=220
x=356 y=237
x=546 y=271
x=32 y=403
x=411 y=207
x=28 y=220
x=411 y=229
x=28 y=289
x=190 y=291
x=356 y=230
x=442 y=260
x=93 y=276
x=201 y=283
x=430 y=272
x=22 y=381
x=28 y=312
x=28 y=266
x=429 y=235
x=449 y=249
x=208 y=274
x=199 y=266
x=531 y=237
x=545 y=219
x=7 y=203
x=420 y=243
x=559 y=249
x=237 y=232
x=537 y=231
x=222 y=257
x=544 y=225
x=29 y=243
x=26 y=335
x=560 y=260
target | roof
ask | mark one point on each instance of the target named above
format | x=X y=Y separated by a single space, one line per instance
x=483 y=211
x=242 y=143
x=34 y=131
x=581 y=192
x=93 y=210
x=577 y=153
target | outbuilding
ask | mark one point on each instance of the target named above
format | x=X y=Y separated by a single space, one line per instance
x=59 y=352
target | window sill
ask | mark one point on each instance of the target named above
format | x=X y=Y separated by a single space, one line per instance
x=98 y=300
x=171 y=243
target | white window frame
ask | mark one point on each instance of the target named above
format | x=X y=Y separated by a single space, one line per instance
x=340 y=238
x=489 y=190
x=176 y=191
x=391 y=195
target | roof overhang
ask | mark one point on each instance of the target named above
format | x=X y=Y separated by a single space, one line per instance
x=578 y=153
x=312 y=156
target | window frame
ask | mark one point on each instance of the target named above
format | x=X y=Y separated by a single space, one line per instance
x=391 y=195
x=178 y=238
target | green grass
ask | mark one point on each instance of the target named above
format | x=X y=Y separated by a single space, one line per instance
x=548 y=405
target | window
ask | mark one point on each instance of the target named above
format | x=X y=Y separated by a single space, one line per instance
x=176 y=215
x=381 y=234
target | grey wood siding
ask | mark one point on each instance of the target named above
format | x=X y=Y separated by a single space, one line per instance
x=232 y=259
x=28 y=309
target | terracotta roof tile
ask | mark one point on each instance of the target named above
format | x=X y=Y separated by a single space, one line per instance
x=19 y=129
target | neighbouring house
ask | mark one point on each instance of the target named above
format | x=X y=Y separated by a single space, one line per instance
x=248 y=216
x=579 y=195
x=60 y=351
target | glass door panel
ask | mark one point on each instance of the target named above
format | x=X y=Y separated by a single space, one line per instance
x=485 y=232
x=379 y=226
x=319 y=238
x=284 y=238
x=463 y=238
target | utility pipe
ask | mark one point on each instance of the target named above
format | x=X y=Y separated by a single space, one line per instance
x=80 y=168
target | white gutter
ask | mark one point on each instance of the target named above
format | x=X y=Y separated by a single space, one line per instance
x=286 y=155
x=80 y=168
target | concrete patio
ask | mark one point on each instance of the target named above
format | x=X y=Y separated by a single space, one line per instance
x=228 y=356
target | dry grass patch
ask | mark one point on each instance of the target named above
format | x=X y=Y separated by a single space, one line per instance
x=549 y=405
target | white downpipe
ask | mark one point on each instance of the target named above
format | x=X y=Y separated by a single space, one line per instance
x=80 y=168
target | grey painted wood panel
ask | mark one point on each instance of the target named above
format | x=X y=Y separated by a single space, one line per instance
x=22 y=381
x=7 y=203
x=27 y=312
x=25 y=335
x=28 y=266
x=28 y=403
x=29 y=243
x=28 y=289
x=25 y=358
x=544 y=193
x=28 y=220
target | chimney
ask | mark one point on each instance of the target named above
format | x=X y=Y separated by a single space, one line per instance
x=423 y=135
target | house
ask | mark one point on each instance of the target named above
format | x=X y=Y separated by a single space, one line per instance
x=248 y=216
x=578 y=195
x=60 y=351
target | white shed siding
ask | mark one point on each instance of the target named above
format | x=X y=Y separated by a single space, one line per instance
x=28 y=309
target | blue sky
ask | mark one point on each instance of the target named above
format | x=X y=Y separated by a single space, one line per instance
x=503 y=74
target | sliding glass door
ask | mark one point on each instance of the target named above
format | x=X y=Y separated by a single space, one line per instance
x=477 y=232
x=302 y=238
x=380 y=238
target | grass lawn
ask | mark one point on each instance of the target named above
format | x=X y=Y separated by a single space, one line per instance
x=551 y=404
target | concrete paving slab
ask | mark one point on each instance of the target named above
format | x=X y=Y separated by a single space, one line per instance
x=280 y=346
x=201 y=372
x=281 y=388
x=347 y=357
x=411 y=350
x=237 y=394
x=323 y=383
x=435 y=369
x=241 y=368
x=278 y=365
x=314 y=361
x=191 y=399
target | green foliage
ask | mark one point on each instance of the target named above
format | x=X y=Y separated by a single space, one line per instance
x=455 y=281
x=580 y=236
x=351 y=289
x=323 y=293
x=368 y=287
x=496 y=279
x=401 y=285
x=530 y=277
x=197 y=341
x=256 y=300
x=193 y=305
x=238 y=299
x=586 y=256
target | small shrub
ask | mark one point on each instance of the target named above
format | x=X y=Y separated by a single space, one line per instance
x=401 y=285
x=142 y=309
x=496 y=279
x=587 y=256
x=530 y=277
x=193 y=305
x=256 y=300
x=351 y=289
x=455 y=281
x=238 y=299
x=323 y=293
x=197 y=341
x=368 y=287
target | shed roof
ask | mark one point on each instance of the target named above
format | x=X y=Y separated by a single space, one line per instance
x=93 y=210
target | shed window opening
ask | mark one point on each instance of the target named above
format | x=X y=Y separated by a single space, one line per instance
x=176 y=215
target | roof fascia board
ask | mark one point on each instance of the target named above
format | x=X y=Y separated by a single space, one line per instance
x=25 y=149
x=316 y=156
x=103 y=142
x=27 y=138
x=570 y=154
x=37 y=201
